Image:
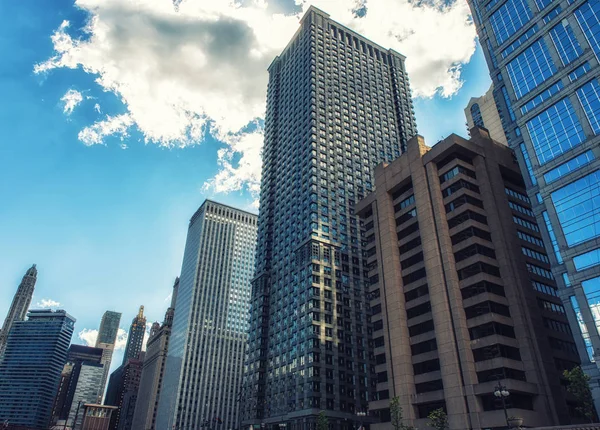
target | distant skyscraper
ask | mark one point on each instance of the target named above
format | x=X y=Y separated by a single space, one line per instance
x=337 y=106
x=107 y=337
x=153 y=369
x=80 y=382
x=461 y=291
x=135 y=338
x=543 y=58
x=203 y=373
x=30 y=371
x=483 y=112
x=122 y=392
x=20 y=304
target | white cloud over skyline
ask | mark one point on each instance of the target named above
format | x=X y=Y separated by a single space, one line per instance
x=47 y=303
x=89 y=336
x=71 y=99
x=201 y=67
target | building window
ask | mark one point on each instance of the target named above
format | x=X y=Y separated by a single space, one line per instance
x=476 y=115
x=589 y=97
x=578 y=209
x=585 y=334
x=588 y=17
x=586 y=260
x=531 y=68
x=555 y=131
x=565 y=42
x=569 y=166
x=509 y=18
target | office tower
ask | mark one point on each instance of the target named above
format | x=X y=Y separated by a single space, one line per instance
x=204 y=366
x=462 y=296
x=337 y=105
x=36 y=350
x=153 y=369
x=543 y=60
x=483 y=112
x=97 y=417
x=122 y=391
x=80 y=383
x=107 y=337
x=135 y=337
x=20 y=304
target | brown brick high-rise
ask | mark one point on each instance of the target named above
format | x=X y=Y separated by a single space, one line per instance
x=462 y=296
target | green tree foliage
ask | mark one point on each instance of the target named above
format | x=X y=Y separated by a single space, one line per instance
x=322 y=421
x=396 y=415
x=579 y=387
x=438 y=419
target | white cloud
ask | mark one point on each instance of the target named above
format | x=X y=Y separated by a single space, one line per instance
x=47 y=303
x=201 y=66
x=97 y=108
x=89 y=336
x=71 y=99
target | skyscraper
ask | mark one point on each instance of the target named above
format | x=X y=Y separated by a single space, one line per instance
x=203 y=372
x=337 y=105
x=483 y=112
x=543 y=60
x=107 y=337
x=20 y=304
x=30 y=371
x=153 y=370
x=122 y=391
x=80 y=383
x=462 y=296
x=135 y=338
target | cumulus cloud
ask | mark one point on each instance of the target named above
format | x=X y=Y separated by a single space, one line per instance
x=89 y=336
x=47 y=303
x=71 y=99
x=183 y=69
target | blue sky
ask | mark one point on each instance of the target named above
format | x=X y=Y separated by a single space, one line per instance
x=106 y=225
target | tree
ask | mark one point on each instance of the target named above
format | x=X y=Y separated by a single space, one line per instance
x=322 y=421
x=396 y=415
x=579 y=387
x=438 y=419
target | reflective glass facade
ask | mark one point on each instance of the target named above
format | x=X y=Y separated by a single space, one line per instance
x=337 y=105
x=548 y=96
x=30 y=370
x=204 y=365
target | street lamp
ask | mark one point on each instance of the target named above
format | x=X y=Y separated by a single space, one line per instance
x=501 y=392
x=361 y=415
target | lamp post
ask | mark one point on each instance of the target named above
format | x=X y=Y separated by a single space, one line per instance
x=361 y=415
x=501 y=392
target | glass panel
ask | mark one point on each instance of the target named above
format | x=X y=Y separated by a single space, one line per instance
x=511 y=48
x=589 y=97
x=528 y=164
x=541 y=4
x=555 y=131
x=579 y=72
x=588 y=17
x=591 y=288
x=565 y=42
x=508 y=103
x=531 y=68
x=509 y=18
x=583 y=328
x=566 y=280
x=569 y=166
x=578 y=208
x=588 y=259
x=543 y=96
x=552 y=237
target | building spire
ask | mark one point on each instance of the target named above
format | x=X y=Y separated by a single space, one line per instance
x=20 y=304
x=141 y=312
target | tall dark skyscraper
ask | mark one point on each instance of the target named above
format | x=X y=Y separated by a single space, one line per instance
x=543 y=58
x=107 y=337
x=135 y=338
x=30 y=371
x=20 y=304
x=154 y=368
x=337 y=105
x=205 y=362
x=122 y=391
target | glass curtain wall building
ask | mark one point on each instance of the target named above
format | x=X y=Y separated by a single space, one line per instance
x=543 y=58
x=107 y=337
x=205 y=360
x=30 y=370
x=337 y=105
